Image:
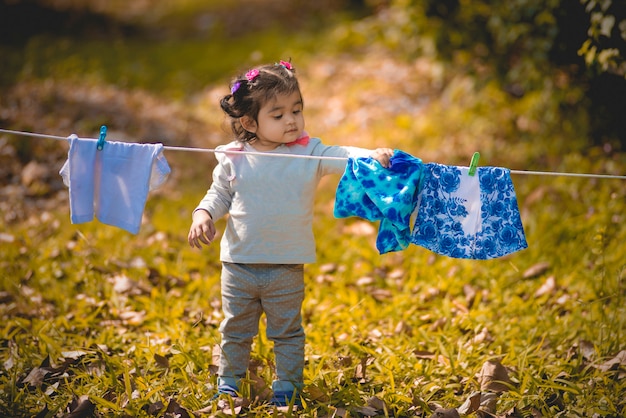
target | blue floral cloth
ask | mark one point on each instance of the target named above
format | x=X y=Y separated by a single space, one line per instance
x=458 y=215
x=372 y=192
x=466 y=216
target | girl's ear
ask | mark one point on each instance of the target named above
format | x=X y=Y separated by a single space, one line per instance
x=248 y=124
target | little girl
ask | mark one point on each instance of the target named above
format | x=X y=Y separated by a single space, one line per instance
x=268 y=196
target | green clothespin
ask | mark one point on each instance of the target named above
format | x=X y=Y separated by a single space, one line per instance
x=474 y=163
x=103 y=134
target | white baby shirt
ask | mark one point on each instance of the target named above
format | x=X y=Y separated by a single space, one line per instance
x=112 y=183
x=463 y=216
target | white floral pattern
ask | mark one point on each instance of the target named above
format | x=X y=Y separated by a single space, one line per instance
x=444 y=225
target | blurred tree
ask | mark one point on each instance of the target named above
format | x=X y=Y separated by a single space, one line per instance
x=604 y=49
x=525 y=41
x=20 y=19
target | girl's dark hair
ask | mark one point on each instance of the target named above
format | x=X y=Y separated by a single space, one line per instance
x=249 y=92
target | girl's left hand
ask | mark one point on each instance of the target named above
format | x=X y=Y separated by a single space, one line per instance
x=383 y=155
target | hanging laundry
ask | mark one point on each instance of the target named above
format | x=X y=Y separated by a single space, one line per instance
x=372 y=192
x=463 y=216
x=112 y=183
x=457 y=215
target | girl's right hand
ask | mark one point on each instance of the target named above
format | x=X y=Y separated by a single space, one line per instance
x=202 y=229
x=383 y=156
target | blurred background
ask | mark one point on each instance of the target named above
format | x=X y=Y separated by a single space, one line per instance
x=527 y=82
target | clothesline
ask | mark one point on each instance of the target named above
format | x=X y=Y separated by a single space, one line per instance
x=190 y=149
x=269 y=154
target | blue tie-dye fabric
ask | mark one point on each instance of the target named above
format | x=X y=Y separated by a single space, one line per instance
x=372 y=192
x=458 y=215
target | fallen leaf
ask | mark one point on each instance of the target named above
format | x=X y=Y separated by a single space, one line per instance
x=445 y=413
x=4 y=237
x=359 y=229
x=615 y=363
x=563 y=299
x=33 y=172
x=488 y=401
x=174 y=410
x=514 y=413
x=482 y=336
x=202 y=412
x=80 y=407
x=73 y=355
x=10 y=362
x=424 y=355
x=381 y=295
x=453 y=271
x=231 y=406
x=403 y=328
x=375 y=334
x=324 y=278
x=360 y=371
x=471 y=404
x=215 y=358
x=377 y=403
x=36 y=377
x=365 y=281
x=548 y=287
x=397 y=275
x=153 y=408
x=494 y=377
x=368 y=411
x=440 y=358
x=438 y=324
x=45 y=371
x=122 y=283
x=587 y=350
x=125 y=285
x=161 y=361
x=258 y=387
x=340 y=412
x=132 y=317
x=328 y=268
x=216 y=353
x=430 y=294
x=315 y=393
x=470 y=295
x=536 y=270
x=344 y=361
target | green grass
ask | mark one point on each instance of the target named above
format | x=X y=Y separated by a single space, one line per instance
x=142 y=312
x=136 y=63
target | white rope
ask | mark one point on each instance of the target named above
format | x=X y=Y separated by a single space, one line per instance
x=271 y=154
x=190 y=149
x=554 y=173
x=264 y=154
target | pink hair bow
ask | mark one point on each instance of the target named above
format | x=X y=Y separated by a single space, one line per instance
x=286 y=64
x=252 y=74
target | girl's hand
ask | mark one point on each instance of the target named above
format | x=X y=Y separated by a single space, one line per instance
x=202 y=229
x=382 y=155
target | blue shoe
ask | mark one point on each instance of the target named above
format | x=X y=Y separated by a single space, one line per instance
x=225 y=390
x=285 y=398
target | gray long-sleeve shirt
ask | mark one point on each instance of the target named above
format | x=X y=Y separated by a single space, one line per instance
x=269 y=200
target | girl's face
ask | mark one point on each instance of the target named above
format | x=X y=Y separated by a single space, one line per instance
x=280 y=121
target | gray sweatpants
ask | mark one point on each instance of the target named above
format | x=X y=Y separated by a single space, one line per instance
x=248 y=290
